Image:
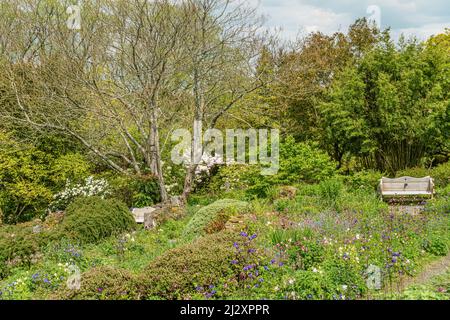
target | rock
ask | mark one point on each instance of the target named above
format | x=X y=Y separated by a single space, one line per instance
x=139 y=213
x=288 y=192
x=37 y=229
x=53 y=219
x=150 y=220
x=161 y=213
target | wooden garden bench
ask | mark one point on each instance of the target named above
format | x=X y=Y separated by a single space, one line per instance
x=406 y=187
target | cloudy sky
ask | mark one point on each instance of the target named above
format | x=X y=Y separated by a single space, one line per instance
x=421 y=18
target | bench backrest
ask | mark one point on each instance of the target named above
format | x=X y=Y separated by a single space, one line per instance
x=406 y=184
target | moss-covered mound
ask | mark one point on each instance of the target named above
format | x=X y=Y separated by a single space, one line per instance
x=215 y=213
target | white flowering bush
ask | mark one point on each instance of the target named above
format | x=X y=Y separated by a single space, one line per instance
x=91 y=187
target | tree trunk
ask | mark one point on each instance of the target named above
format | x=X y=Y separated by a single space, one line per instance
x=155 y=153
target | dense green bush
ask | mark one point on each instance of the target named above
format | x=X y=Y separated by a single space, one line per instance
x=299 y=162
x=19 y=245
x=366 y=179
x=135 y=191
x=436 y=244
x=103 y=283
x=178 y=272
x=216 y=210
x=330 y=190
x=91 y=219
x=440 y=173
x=29 y=177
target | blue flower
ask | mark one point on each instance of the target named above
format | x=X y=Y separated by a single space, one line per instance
x=266 y=268
x=244 y=234
x=234 y=261
x=272 y=261
x=236 y=245
x=261 y=280
x=253 y=236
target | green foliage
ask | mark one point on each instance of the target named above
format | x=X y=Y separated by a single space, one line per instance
x=135 y=191
x=440 y=173
x=103 y=283
x=71 y=167
x=207 y=215
x=301 y=162
x=366 y=179
x=437 y=244
x=330 y=190
x=388 y=108
x=89 y=220
x=23 y=180
x=177 y=273
x=19 y=245
x=29 y=177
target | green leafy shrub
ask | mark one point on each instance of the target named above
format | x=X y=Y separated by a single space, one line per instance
x=436 y=244
x=308 y=285
x=135 y=191
x=330 y=190
x=19 y=245
x=177 y=273
x=103 y=283
x=207 y=215
x=345 y=276
x=301 y=162
x=366 y=179
x=91 y=219
x=440 y=173
x=70 y=167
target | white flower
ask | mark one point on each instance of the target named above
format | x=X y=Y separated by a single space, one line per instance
x=315 y=270
x=291 y=281
x=344 y=287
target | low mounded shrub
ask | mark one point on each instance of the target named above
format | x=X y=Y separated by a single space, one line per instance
x=205 y=218
x=177 y=273
x=103 y=283
x=91 y=219
x=19 y=245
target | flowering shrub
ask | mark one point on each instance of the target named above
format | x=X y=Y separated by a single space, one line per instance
x=91 y=187
x=45 y=279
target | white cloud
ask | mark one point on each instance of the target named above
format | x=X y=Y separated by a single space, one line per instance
x=421 y=18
